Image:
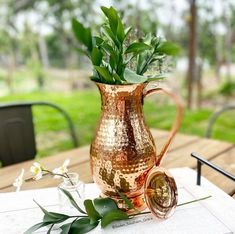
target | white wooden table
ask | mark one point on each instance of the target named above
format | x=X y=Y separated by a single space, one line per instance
x=215 y=215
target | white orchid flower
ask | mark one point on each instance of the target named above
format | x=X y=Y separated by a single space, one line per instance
x=36 y=169
x=61 y=170
x=19 y=181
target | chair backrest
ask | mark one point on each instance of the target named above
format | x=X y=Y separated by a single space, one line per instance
x=17 y=135
x=214 y=117
x=17 y=140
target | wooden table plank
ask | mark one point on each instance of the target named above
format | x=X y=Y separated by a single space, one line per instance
x=178 y=156
x=227 y=162
x=181 y=140
x=76 y=156
x=206 y=147
x=83 y=169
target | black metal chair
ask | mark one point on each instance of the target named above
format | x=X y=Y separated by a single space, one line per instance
x=214 y=117
x=200 y=159
x=17 y=135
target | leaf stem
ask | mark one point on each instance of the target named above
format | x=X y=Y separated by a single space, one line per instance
x=146 y=63
x=142 y=213
x=181 y=204
x=200 y=199
x=79 y=216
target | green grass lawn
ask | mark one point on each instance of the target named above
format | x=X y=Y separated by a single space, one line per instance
x=84 y=109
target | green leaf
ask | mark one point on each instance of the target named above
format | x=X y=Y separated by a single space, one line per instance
x=91 y=211
x=72 y=201
x=78 y=30
x=88 y=38
x=117 y=78
x=127 y=31
x=98 y=41
x=96 y=56
x=104 y=205
x=112 y=16
x=82 y=225
x=157 y=77
x=112 y=216
x=133 y=78
x=36 y=227
x=137 y=47
x=54 y=217
x=112 y=61
x=168 y=48
x=43 y=209
x=107 y=48
x=66 y=227
x=109 y=34
x=50 y=229
x=95 y=78
x=103 y=71
x=82 y=34
x=126 y=200
x=148 y=39
x=120 y=31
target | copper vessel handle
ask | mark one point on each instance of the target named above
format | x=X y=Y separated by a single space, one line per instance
x=176 y=124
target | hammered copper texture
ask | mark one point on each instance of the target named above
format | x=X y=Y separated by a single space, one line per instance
x=123 y=150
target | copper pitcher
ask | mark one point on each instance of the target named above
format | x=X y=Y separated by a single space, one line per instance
x=123 y=150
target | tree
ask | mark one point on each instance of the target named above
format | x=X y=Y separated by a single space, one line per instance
x=8 y=43
x=206 y=41
x=191 y=51
x=228 y=37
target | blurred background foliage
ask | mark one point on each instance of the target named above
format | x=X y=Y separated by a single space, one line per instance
x=39 y=61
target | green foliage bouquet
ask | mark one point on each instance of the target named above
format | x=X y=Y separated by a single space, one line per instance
x=114 y=60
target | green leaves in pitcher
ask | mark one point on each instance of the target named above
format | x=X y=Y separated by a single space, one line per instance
x=112 y=60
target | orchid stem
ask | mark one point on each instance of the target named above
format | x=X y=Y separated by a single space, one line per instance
x=67 y=176
x=52 y=173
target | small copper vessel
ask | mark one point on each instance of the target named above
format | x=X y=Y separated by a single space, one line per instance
x=123 y=150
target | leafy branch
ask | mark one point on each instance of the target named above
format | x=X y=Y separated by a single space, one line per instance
x=100 y=210
x=110 y=56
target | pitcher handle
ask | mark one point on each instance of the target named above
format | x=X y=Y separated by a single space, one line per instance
x=176 y=123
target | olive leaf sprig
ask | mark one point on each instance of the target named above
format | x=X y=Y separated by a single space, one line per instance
x=100 y=210
x=103 y=210
x=112 y=58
